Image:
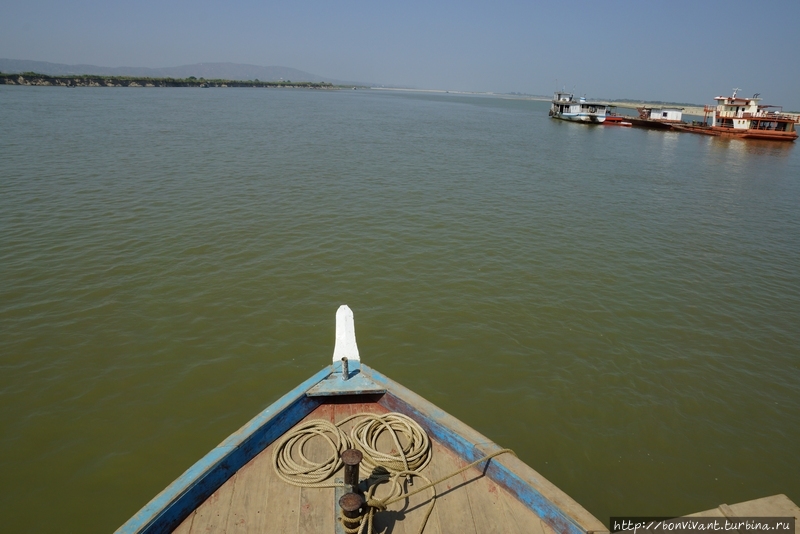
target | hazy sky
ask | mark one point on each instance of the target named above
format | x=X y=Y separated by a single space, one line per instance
x=683 y=51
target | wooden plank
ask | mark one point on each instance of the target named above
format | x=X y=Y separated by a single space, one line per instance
x=453 y=508
x=343 y=410
x=411 y=512
x=212 y=515
x=316 y=504
x=357 y=384
x=488 y=510
x=186 y=526
x=773 y=506
x=283 y=503
x=522 y=518
x=497 y=511
x=248 y=511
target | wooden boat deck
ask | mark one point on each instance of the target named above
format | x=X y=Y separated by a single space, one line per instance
x=773 y=506
x=234 y=488
x=255 y=500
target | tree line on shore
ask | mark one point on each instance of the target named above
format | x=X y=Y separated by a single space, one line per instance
x=93 y=80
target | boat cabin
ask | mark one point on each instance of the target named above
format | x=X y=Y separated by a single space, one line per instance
x=663 y=114
x=564 y=106
x=747 y=114
x=737 y=107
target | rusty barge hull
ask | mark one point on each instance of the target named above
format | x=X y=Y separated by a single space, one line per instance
x=770 y=135
x=653 y=125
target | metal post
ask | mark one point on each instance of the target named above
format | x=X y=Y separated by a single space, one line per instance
x=345 y=369
x=351 y=459
x=351 y=505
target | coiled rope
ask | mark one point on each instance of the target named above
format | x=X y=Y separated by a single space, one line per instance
x=306 y=473
x=404 y=464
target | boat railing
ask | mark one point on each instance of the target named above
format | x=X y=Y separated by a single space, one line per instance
x=734 y=114
x=748 y=115
x=767 y=125
x=773 y=115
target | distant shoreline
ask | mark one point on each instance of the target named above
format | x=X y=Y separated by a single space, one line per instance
x=688 y=110
x=92 y=80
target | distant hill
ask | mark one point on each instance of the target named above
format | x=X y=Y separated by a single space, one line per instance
x=222 y=71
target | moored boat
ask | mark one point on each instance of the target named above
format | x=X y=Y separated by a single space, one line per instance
x=616 y=120
x=565 y=107
x=295 y=468
x=658 y=118
x=744 y=118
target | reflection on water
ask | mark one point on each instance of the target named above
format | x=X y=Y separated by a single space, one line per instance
x=756 y=147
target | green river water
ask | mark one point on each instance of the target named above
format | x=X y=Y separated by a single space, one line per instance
x=619 y=306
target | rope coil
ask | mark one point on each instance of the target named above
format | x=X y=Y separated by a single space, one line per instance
x=414 y=456
x=403 y=465
x=306 y=473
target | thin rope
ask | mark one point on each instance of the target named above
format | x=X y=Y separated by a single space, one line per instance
x=451 y=475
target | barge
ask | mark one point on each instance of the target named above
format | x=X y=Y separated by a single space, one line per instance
x=744 y=118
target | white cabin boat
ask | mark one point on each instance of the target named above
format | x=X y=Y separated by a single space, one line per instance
x=565 y=107
x=662 y=114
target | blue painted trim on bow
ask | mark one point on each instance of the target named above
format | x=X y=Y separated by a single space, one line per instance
x=179 y=499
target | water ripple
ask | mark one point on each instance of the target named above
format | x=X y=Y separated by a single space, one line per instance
x=615 y=305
